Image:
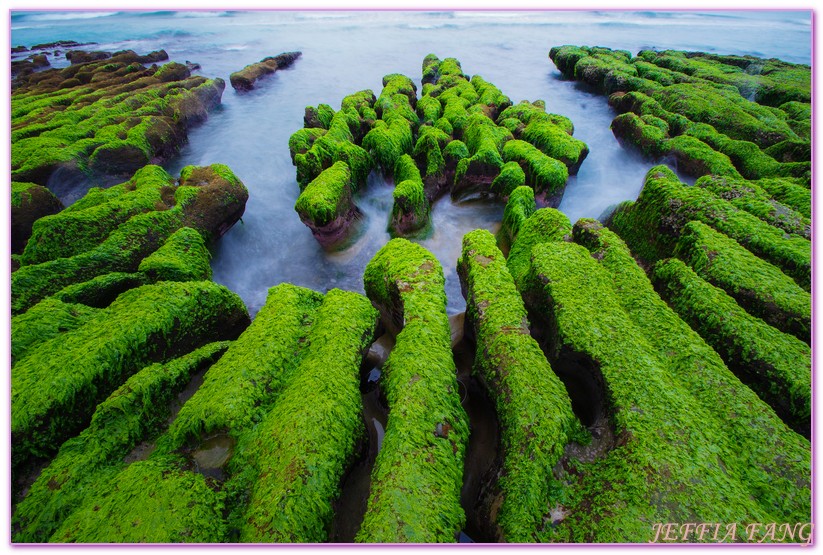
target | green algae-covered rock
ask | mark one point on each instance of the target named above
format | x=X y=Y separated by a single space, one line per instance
x=418 y=474
x=56 y=387
x=267 y=351
x=246 y=78
x=544 y=174
x=775 y=365
x=691 y=362
x=326 y=206
x=47 y=319
x=87 y=463
x=655 y=422
x=455 y=131
x=387 y=142
x=652 y=225
x=519 y=207
x=754 y=199
x=149 y=189
x=304 y=446
x=183 y=257
x=209 y=199
x=734 y=126
x=411 y=209
x=759 y=287
x=153 y=501
x=104 y=128
x=29 y=203
x=533 y=408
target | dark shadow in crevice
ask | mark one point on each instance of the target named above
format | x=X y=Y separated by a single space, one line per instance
x=482 y=460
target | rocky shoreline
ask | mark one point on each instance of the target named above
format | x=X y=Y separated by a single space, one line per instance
x=651 y=368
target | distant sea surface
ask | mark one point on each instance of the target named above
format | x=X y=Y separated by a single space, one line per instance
x=344 y=52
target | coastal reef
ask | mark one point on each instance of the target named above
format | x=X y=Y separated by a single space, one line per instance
x=653 y=392
x=127 y=234
x=730 y=116
x=461 y=136
x=606 y=380
x=104 y=116
x=246 y=78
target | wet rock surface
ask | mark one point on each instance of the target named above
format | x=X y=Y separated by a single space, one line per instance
x=246 y=78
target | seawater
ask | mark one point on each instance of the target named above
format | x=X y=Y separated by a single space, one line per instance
x=344 y=52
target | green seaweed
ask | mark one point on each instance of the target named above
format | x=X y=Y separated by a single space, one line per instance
x=56 y=387
x=327 y=197
x=652 y=225
x=268 y=352
x=151 y=501
x=519 y=208
x=749 y=196
x=759 y=287
x=183 y=257
x=511 y=177
x=533 y=408
x=305 y=444
x=418 y=474
x=656 y=422
x=134 y=412
x=775 y=365
x=543 y=174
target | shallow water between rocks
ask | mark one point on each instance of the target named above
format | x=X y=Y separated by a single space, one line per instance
x=344 y=52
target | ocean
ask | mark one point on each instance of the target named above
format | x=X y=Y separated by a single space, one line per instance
x=347 y=51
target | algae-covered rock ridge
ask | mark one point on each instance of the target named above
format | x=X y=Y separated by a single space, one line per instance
x=103 y=117
x=461 y=135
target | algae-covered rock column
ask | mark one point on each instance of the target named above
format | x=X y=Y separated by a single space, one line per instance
x=418 y=474
x=135 y=412
x=736 y=116
x=533 y=407
x=307 y=442
x=462 y=135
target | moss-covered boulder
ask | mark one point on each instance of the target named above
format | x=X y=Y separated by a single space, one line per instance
x=29 y=203
x=533 y=408
x=102 y=120
x=418 y=474
x=246 y=78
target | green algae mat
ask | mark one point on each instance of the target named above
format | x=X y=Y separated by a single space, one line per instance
x=648 y=376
